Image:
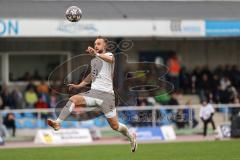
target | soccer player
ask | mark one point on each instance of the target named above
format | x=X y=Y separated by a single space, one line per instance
x=101 y=93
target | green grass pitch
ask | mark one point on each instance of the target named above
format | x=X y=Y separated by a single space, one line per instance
x=218 y=150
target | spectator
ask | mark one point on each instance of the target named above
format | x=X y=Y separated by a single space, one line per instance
x=1 y=103
x=7 y=101
x=9 y=122
x=224 y=83
x=142 y=101
x=227 y=92
x=143 y=116
x=17 y=99
x=45 y=98
x=3 y=129
x=204 y=86
x=173 y=101
x=215 y=85
x=235 y=72
x=174 y=70
x=196 y=78
x=219 y=71
x=184 y=80
x=180 y=121
x=53 y=99
x=41 y=104
x=235 y=110
x=187 y=115
x=206 y=114
x=42 y=87
x=206 y=71
x=31 y=85
x=31 y=97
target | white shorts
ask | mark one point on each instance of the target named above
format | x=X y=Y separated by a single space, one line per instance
x=104 y=100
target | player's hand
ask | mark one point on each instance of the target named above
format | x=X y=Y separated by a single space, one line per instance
x=72 y=86
x=91 y=51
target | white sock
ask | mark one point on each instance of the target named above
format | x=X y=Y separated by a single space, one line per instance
x=124 y=130
x=66 y=111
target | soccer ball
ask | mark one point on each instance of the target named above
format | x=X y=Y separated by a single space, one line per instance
x=73 y=14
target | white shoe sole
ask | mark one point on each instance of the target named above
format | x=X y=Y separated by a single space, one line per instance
x=136 y=145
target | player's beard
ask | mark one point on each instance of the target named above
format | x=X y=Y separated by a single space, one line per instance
x=100 y=51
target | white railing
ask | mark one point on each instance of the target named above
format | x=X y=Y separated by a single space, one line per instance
x=153 y=110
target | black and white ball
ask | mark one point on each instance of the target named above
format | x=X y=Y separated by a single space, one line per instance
x=73 y=14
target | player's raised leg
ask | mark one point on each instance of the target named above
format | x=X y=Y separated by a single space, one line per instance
x=117 y=126
x=74 y=101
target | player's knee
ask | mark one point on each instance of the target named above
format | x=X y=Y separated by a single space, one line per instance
x=75 y=99
x=115 y=126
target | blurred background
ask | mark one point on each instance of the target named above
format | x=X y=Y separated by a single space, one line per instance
x=197 y=40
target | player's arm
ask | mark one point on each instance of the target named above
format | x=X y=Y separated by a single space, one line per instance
x=83 y=83
x=105 y=57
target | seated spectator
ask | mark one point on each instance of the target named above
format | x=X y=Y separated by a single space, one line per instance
x=41 y=104
x=215 y=85
x=53 y=99
x=144 y=117
x=205 y=86
x=162 y=98
x=196 y=78
x=235 y=76
x=3 y=129
x=224 y=83
x=45 y=97
x=235 y=111
x=43 y=87
x=31 y=97
x=184 y=80
x=9 y=122
x=227 y=91
x=173 y=101
x=187 y=115
x=1 y=103
x=31 y=85
x=17 y=99
x=6 y=97
x=179 y=120
x=142 y=101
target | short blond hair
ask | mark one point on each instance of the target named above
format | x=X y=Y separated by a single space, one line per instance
x=104 y=39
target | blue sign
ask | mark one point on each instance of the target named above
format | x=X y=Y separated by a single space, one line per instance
x=149 y=133
x=75 y=27
x=222 y=28
x=9 y=27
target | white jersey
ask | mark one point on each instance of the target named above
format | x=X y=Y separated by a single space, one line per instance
x=206 y=111
x=102 y=74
